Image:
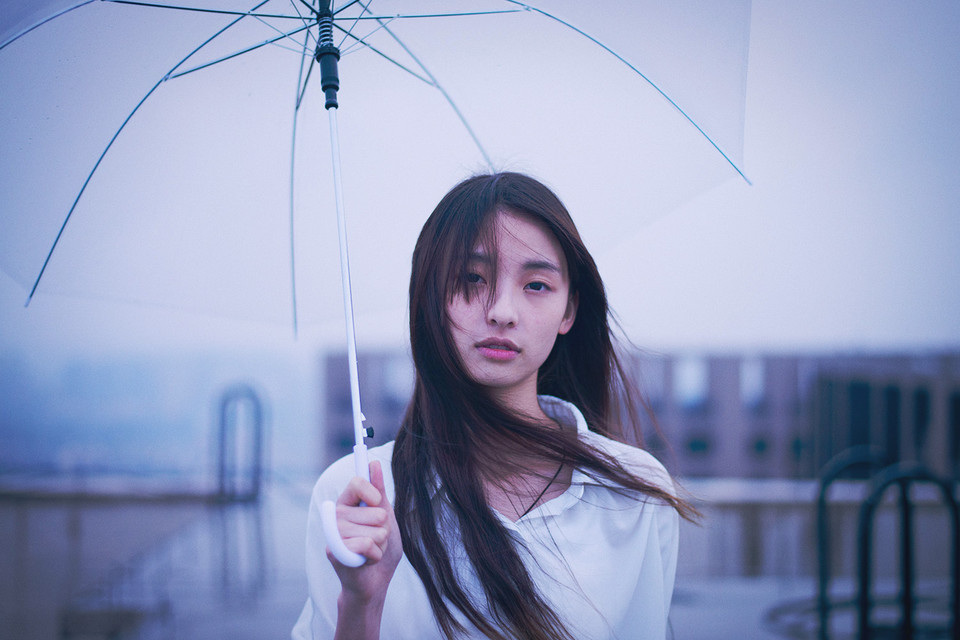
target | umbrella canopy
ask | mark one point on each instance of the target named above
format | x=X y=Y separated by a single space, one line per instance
x=216 y=195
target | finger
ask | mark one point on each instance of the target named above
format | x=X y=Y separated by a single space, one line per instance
x=377 y=480
x=366 y=516
x=350 y=531
x=376 y=477
x=359 y=490
x=363 y=546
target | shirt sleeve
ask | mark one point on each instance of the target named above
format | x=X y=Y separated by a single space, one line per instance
x=669 y=534
x=667 y=521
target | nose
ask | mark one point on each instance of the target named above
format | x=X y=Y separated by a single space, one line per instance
x=502 y=311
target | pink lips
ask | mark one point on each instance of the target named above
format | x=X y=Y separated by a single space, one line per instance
x=498 y=349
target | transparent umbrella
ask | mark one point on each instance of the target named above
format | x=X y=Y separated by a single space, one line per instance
x=218 y=189
x=179 y=155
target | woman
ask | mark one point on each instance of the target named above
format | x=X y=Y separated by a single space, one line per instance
x=509 y=505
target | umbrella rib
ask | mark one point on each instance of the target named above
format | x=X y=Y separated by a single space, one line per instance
x=456 y=14
x=361 y=41
x=347 y=32
x=260 y=17
x=230 y=56
x=301 y=89
x=459 y=14
x=103 y=154
x=252 y=14
x=270 y=26
x=343 y=8
x=433 y=82
x=616 y=55
x=293 y=5
x=37 y=25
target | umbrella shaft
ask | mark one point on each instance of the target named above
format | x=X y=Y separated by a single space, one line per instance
x=358 y=417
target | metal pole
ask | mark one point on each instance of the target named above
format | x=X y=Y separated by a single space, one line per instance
x=906 y=562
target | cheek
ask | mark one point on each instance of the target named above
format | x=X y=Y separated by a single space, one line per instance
x=459 y=317
x=560 y=319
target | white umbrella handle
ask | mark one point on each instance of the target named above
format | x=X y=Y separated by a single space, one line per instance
x=328 y=516
x=327 y=56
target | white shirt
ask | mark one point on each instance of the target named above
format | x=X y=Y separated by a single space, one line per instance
x=603 y=561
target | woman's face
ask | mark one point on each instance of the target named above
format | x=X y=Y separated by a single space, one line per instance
x=503 y=341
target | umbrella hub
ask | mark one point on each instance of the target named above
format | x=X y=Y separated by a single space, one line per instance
x=327 y=56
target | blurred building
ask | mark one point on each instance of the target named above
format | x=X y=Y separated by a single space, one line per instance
x=730 y=415
x=386 y=383
x=785 y=416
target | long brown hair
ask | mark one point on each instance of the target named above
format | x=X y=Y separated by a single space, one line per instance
x=454 y=435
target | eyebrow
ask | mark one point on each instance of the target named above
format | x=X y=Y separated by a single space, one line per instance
x=529 y=265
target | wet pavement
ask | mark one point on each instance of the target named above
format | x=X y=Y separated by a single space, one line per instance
x=132 y=568
x=180 y=569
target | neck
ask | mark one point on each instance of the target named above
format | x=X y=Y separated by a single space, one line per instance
x=516 y=495
x=521 y=401
x=516 y=480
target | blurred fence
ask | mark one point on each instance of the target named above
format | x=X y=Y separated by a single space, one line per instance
x=755 y=528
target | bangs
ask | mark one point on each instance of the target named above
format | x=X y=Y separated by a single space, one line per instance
x=469 y=226
x=481 y=245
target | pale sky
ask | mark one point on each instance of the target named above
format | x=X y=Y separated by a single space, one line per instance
x=849 y=236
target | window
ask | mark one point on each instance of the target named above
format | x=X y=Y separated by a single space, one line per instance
x=398 y=377
x=699 y=445
x=652 y=371
x=891 y=423
x=691 y=383
x=859 y=413
x=954 y=417
x=921 y=418
x=760 y=446
x=798 y=448
x=752 y=383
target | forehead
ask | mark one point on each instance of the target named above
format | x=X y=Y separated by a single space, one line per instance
x=521 y=238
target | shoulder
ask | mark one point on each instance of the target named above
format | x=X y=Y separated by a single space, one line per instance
x=638 y=461
x=335 y=477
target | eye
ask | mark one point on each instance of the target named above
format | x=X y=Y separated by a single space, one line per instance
x=474 y=278
x=538 y=286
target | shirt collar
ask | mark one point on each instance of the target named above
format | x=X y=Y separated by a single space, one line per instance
x=566 y=413
x=569 y=416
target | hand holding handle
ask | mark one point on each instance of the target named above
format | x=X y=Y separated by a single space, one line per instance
x=328 y=516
